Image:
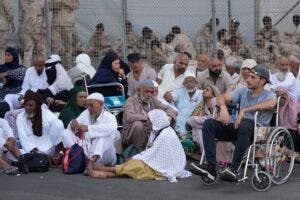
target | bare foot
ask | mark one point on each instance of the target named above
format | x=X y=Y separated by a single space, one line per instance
x=97 y=174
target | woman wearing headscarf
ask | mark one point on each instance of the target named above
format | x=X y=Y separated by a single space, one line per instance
x=38 y=128
x=247 y=65
x=83 y=67
x=163 y=159
x=75 y=105
x=204 y=110
x=11 y=73
x=289 y=115
x=110 y=71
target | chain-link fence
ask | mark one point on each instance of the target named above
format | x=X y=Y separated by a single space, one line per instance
x=156 y=29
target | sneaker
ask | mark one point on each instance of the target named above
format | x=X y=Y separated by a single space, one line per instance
x=205 y=169
x=229 y=174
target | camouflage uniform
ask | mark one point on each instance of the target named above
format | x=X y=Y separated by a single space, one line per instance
x=33 y=30
x=182 y=43
x=99 y=44
x=63 y=28
x=6 y=20
x=204 y=40
x=131 y=40
x=144 y=47
x=292 y=44
x=266 y=55
x=271 y=35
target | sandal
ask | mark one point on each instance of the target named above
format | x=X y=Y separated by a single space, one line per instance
x=10 y=171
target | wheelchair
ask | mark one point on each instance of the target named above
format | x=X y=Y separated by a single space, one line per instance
x=114 y=97
x=271 y=156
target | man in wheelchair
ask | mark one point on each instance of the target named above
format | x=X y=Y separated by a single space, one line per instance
x=250 y=99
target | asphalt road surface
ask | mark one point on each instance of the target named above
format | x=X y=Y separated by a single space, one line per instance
x=54 y=185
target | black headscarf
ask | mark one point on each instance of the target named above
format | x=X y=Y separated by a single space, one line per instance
x=37 y=126
x=104 y=73
x=14 y=64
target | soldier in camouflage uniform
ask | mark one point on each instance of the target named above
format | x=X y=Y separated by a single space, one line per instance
x=233 y=29
x=99 y=43
x=144 y=43
x=131 y=41
x=271 y=34
x=292 y=43
x=204 y=38
x=238 y=50
x=63 y=28
x=182 y=42
x=265 y=52
x=6 y=23
x=33 y=30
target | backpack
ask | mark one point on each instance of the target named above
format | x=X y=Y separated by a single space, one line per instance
x=33 y=162
x=74 y=160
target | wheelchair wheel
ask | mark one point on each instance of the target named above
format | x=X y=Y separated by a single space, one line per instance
x=208 y=181
x=261 y=182
x=280 y=155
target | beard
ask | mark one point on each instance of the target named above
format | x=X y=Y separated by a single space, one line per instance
x=191 y=90
x=282 y=75
x=215 y=74
x=179 y=70
x=31 y=115
x=145 y=99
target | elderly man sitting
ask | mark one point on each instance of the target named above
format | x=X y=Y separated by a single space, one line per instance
x=94 y=130
x=285 y=78
x=136 y=125
x=185 y=100
x=38 y=128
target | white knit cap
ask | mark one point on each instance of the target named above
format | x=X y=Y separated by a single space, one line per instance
x=96 y=96
x=189 y=74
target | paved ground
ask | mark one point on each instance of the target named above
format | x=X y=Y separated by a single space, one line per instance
x=54 y=185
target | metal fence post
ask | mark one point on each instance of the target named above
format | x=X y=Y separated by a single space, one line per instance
x=229 y=10
x=213 y=12
x=256 y=16
x=124 y=18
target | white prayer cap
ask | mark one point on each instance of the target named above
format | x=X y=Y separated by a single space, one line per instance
x=53 y=58
x=294 y=59
x=155 y=83
x=189 y=74
x=96 y=96
x=159 y=119
x=230 y=60
x=248 y=63
x=148 y=83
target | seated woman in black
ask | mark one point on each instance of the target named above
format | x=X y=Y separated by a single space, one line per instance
x=110 y=71
x=11 y=73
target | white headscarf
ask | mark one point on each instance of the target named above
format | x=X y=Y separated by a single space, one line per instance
x=166 y=155
x=83 y=62
x=159 y=119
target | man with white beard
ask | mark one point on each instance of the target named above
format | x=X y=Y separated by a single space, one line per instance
x=185 y=100
x=284 y=78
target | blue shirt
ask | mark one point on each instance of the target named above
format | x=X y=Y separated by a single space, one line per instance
x=185 y=105
x=242 y=96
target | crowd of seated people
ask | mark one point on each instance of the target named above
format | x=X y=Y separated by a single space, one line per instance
x=48 y=109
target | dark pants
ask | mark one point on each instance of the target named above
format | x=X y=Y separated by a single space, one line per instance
x=213 y=129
